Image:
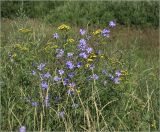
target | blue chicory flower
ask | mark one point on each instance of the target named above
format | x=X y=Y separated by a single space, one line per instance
x=69 y=65
x=104 y=72
x=89 y=50
x=116 y=80
x=56 y=78
x=61 y=72
x=79 y=64
x=118 y=73
x=82 y=44
x=83 y=55
x=82 y=41
x=82 y=31
x=106 y=32
x=59 y=52
x=112 y=24
x=106 y=35
x=41 y=66
x=72 y=85
x=22 y=129
x=61 y=114
x=95 y=77
x=55 y=35
x=65 y=81
x=44 y=85
x=35 y=104
x=111 y=76
x=70 y=92
x=33 y=72
x=70 y=75
x=69 y=54
x=33 y=64
x=92 y=66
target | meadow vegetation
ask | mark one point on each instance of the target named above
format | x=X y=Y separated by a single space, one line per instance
x=78 y=76
x=128 y=13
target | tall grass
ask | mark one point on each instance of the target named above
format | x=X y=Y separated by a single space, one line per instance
x=130 y=106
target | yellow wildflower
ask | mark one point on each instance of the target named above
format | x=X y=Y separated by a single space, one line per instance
x=14 y=55
x=24 y=49
x=113 y=60
x=153 y=124
x=98 y=31
x=124 y=72
x=24 y=30
x=102 y=56
x=64 y=27
x=70 y=40
x=92 y=55
x=65 y=44
x=49 y=47
x=87 y=65
x=17 y=46
x=55 y=46
x=49 y=43
x=89 y=60
x=78 y=91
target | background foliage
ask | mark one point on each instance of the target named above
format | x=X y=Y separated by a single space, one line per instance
x=81 y=13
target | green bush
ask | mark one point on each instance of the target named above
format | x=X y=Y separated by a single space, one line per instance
x=81 y=13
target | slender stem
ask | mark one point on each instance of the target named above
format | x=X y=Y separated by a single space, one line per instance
x=41 y=127
x=35 y=112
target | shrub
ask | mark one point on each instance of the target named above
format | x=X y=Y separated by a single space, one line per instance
x=81 y=13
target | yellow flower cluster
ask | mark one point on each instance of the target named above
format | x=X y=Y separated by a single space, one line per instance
x=92 y=55
x=124 y=72
x=78 y=91
x=64 y=27
x=114 y=61
x=14 y=55
x=98 y=31
x=50 y=47
x=102 y=56
x=24 y=30
x=90 y=59
x=70 y=40
x=22 y=48
x=153 y=124
x=18 y=46
x=87 y=65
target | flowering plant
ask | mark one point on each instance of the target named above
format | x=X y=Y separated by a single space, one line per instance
x=70 y=71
